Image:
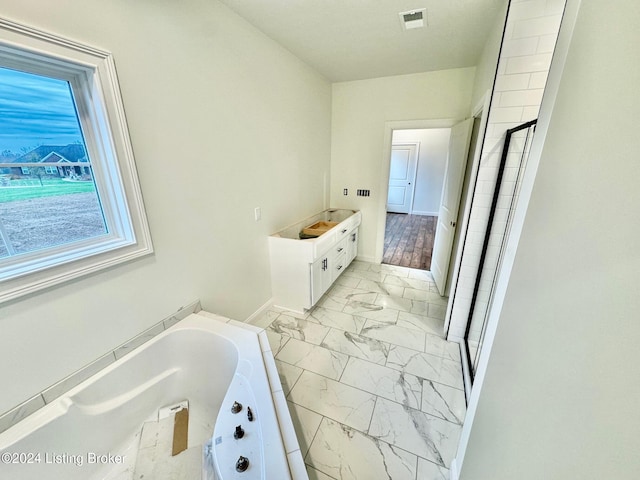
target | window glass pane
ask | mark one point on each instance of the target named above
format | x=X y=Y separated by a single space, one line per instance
x=52 y=200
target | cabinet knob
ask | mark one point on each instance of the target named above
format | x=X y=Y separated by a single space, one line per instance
x=340 y=249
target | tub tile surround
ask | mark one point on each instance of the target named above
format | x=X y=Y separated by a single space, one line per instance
x=53 y=392
x=21 y=412
x=380 y=395
x=139 y=340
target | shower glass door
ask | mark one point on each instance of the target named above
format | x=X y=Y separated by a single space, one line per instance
x=512 y=165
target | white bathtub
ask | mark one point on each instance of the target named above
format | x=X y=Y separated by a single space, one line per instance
x=93 y=431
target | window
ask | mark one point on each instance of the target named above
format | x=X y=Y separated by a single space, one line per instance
x=39 y=123
x=60 y=104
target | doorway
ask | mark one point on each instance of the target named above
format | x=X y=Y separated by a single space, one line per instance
x=417 y=166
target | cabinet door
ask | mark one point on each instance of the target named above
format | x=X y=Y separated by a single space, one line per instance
x=352 y=246
x=320 y=278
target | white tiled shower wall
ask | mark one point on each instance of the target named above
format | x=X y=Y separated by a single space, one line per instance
x=529 y=40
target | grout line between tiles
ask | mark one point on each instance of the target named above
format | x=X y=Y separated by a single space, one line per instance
x=375 y=404
x=376 y=399
x=333 y=419
x=427 y=353
x=314 y=435
x=325 y=337
x=417 y=462
x=366 y=434
x=324 y=473
x=345 y=367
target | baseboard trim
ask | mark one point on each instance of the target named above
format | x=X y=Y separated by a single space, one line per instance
x=259 y=312
x=363 y=258
x=420 y=212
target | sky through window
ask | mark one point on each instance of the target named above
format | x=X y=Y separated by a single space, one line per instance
x=35 y=110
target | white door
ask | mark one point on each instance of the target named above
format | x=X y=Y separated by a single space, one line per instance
x=450 y=201
x=402 y=174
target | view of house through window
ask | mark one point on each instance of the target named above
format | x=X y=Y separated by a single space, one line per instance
x=48 y=195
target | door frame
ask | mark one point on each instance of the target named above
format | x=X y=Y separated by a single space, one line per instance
x=385 y=165
x=481 y=110
x=416 y=145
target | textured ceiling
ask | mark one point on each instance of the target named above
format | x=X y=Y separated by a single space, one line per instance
x=358 y=39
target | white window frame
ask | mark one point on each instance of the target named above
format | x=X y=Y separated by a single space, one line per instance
x=50 y=170
x=25 y=170
x=92 y=76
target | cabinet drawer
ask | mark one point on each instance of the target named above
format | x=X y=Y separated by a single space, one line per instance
x=341 y=247
x=339 y=266
x=323 y=244
x=343 y=230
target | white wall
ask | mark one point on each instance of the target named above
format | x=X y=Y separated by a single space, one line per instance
x=530 y=34
x=560 y=395
x=359 y=112
x=222 y=120
x=432 y=162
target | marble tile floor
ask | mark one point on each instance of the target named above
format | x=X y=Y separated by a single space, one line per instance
x=373 y=389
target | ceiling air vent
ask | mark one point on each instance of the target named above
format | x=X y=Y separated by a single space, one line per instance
x=413 y=18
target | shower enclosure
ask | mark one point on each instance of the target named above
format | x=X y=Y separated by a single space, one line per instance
x=513 y=161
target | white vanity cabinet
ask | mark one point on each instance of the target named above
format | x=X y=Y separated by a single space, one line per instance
x=303 y=270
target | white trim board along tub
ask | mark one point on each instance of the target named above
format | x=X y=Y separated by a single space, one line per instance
x=95 y=430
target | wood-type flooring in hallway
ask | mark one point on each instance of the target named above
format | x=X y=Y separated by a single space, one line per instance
x=408 y=240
